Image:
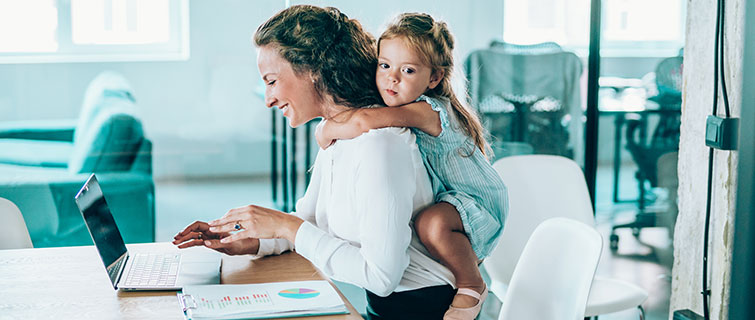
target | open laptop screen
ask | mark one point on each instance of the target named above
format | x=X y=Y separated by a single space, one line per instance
x=102 y=226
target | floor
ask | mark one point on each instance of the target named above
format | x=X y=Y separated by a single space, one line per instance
x=645 y=261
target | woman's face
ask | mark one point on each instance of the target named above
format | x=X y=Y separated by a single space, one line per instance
x=293 y=94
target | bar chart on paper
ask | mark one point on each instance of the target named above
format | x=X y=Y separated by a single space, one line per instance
x=229 y=302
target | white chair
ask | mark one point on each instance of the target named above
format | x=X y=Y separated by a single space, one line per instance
x=552 y=279
x=542 y=187
x=14 y=234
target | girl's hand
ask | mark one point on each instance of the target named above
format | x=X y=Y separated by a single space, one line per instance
x=199 y=234
x=343 y=126
x=256 y=223
x=323 y=139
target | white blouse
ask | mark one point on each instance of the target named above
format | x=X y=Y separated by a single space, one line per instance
x=358 y=212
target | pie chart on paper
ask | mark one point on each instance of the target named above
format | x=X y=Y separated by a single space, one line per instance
x=299 y=293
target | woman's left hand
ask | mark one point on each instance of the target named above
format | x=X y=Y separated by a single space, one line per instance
x=256 y=222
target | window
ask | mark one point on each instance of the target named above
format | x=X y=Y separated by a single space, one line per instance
x=629 y=27
x=33 y=31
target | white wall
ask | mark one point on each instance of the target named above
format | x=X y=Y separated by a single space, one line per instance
x=202 y=114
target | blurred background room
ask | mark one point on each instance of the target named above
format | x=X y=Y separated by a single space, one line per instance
x=163 y=100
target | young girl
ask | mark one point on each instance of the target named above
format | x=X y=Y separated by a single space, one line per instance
x=413 y=76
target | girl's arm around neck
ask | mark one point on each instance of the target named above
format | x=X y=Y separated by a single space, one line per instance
x=348 y=126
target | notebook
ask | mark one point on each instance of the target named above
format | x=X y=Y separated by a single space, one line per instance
x=140 y=271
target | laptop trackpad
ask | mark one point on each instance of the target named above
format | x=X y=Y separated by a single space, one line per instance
x=199 y=268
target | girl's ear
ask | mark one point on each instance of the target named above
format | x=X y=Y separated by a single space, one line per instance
x=435 y=79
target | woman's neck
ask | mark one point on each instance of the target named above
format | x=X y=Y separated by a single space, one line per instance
x=331 y=109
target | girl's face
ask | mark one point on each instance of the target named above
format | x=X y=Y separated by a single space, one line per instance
x=294 y=94
x=401 y=76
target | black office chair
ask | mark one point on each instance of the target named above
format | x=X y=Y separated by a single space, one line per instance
x=664 y=140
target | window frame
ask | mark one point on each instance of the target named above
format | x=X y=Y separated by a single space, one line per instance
x=632 y=49
x=177 y=49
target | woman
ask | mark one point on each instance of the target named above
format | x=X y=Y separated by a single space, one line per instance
x=354 y=220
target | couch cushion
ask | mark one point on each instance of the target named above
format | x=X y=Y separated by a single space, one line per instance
x=35 y=152
x=110 y=145
x=107 y=86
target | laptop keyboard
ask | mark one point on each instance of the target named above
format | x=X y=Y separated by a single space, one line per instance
x=153 y=270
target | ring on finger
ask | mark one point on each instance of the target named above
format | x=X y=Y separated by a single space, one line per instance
x=238 y=226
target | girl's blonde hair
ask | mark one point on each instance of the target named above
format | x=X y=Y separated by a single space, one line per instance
x=434 y=44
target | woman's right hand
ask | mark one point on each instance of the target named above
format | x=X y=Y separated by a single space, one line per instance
x=199 y=234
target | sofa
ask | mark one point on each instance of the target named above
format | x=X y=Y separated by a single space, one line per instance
x=44 y=163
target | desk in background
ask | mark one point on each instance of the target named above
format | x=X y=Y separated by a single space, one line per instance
x=71 y=283
x=622 y=98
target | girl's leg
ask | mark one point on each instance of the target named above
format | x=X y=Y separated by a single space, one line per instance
x=440 y=229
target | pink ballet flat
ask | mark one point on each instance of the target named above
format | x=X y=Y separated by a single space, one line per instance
x=470 y=313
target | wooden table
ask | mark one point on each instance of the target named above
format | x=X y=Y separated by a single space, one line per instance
x=71 y=283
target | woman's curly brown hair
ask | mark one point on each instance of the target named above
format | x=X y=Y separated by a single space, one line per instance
x=339 y=54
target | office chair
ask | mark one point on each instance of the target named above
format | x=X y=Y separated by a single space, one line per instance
x=537 y=289
x=536 y=48
x=528 y=97
x=664 y=140
x=14 y=234
x=536 y=193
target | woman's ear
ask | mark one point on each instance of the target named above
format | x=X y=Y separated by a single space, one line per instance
x=435 y=79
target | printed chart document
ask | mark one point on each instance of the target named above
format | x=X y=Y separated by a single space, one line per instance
x=260 y=301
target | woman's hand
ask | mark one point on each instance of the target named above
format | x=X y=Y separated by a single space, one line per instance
x=199 y=234
x=256 y=222
x=321 y=135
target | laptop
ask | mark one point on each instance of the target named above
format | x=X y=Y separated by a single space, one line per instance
x=140 y=271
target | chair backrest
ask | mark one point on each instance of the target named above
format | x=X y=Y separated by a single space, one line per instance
x=536 y=48
x=101 y=91
x=553 y=276
x=540 y=187
x=112 y=142
x=531 y=98
x=14 y=235
x=668 y=77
